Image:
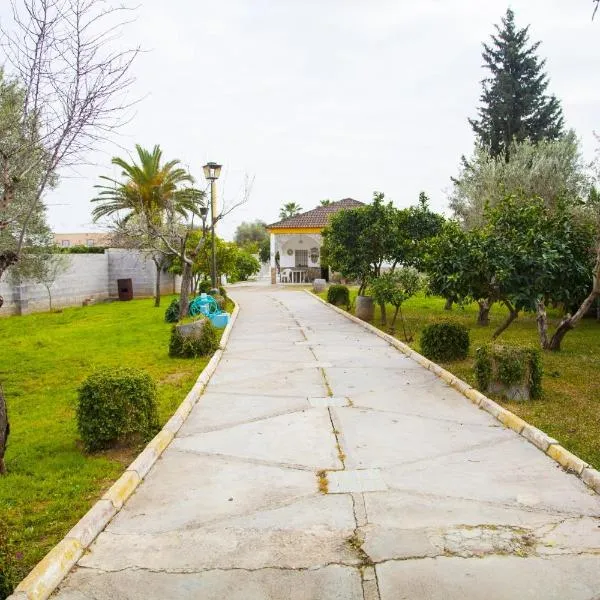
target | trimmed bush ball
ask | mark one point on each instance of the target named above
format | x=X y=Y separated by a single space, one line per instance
x=205 y=286
x=172 y=312
x=445 y=341
x=116 y=407
x=202 y=342
x=338 y=295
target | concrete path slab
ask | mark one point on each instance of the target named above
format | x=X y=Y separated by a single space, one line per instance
x=321 y=463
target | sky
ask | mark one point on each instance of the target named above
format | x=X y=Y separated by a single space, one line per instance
x=326 y=99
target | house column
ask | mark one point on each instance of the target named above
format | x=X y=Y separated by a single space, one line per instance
x=273 y=263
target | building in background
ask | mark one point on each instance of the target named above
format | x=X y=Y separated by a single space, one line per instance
x=90 y=239
x=298 y=241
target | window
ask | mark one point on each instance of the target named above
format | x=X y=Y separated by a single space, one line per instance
x=302 y=258
x=65 y=243
x=89 y=243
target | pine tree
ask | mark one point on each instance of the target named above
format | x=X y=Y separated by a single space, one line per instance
x=515 y=105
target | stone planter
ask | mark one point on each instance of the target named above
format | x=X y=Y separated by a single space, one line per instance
x=515 y=373
x=365 y=308
x=319 y=285
x=191 y=330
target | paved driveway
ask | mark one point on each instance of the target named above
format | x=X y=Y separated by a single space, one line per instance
x=427 y=496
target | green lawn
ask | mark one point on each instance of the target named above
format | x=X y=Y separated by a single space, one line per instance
x=570 y=407
x=44 y=357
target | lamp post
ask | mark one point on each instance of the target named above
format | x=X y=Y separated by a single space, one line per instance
x=212 y=171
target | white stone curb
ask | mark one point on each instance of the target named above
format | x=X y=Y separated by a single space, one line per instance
x=542 y=441
x=45 y=577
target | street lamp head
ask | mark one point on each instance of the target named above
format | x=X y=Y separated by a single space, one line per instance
x=212 y=170
x=203 y=211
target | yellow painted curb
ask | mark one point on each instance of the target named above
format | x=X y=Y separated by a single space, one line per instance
x=512 y=421
x=591 y=478
x=537 y=438
x=45 y=577
x=122 y=488
x=474 y=396
x=160 y=441
x=50 y=571
x=566 y=459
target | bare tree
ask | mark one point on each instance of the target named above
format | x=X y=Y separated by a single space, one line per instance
x=74 y=87
x=54 y=265
x=71 y=79
x=175 y=236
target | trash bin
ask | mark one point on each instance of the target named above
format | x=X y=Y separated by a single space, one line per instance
x=125 y=289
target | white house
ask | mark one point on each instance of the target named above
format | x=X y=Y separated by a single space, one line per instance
x=298 y=241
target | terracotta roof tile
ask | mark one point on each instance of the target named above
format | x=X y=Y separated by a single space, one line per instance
x=317 y=217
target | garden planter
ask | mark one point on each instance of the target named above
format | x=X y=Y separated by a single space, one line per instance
x=319 y=285
x=511 y=372
x=365 y=309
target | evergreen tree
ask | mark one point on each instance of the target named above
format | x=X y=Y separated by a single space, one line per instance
x=515 y=105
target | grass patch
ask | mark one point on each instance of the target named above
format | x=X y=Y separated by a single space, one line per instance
x=44 y=357
x=569 y=409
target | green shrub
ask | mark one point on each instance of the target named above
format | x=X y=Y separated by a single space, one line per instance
x=204 y=286
x=246 y=265
x=222 y=291
x=509 y=366
x=116 y=406
x=202 y=344
x=172 y=312
x=338 y=295
x=80 y=249
x=220 y=300
x=445 y=341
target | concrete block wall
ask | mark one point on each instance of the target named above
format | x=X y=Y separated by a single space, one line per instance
x=137 y=266
x=90 y=277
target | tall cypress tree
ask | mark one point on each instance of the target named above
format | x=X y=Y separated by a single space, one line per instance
x=514 y=103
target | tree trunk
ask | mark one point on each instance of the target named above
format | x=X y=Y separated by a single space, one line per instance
x=449 y=303
x=569 y=322
x=542 y=323
x=184 y=296
x=4 y=431
x=395 y=316
x=383 y=313
x=483 y=318
x=556 y=339
x=157 y=284
x=158 y=263
x=512 y=315
x=49 y=298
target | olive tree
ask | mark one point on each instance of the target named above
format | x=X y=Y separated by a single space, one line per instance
x=550 y=169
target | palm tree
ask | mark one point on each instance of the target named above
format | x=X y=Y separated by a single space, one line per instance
x=326 y=202
x=290 y=209
x=148 y=190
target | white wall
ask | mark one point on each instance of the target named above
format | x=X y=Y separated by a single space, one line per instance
x=295 y=242
x=89 y=277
